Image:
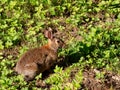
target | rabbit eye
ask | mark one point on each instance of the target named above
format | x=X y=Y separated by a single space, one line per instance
x=58 y=41
x=53 y=36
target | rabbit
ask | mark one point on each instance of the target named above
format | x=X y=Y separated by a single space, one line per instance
x=39 y=59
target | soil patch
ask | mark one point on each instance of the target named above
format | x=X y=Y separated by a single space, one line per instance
x=108 y=82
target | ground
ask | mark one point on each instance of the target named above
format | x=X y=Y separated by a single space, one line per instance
x=90 y=81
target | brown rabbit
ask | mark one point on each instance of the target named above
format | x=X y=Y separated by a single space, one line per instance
x=37 y=60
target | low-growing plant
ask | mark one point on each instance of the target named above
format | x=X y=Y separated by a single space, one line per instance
x=22 y=23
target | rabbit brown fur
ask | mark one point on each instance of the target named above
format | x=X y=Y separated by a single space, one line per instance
x=37 y=60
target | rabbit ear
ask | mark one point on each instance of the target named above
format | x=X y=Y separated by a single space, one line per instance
x=48 y=34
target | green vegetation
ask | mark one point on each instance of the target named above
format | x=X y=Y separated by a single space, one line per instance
x=96 y=21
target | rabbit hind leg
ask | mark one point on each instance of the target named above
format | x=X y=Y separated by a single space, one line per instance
x=30 y=71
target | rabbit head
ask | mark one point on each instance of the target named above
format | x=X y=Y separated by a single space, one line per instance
x=53 y=42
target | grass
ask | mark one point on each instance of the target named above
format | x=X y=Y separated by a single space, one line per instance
x=90 y=30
